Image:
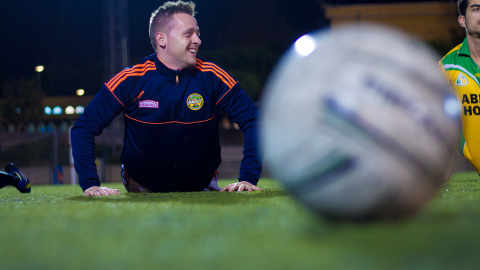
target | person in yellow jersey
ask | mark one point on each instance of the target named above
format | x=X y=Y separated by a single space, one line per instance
x=461 y=66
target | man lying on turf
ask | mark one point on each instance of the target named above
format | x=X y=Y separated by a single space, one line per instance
x=171 y=103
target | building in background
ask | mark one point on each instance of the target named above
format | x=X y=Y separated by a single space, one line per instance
x=434 y=22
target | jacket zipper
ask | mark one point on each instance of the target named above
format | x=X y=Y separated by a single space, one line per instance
x=173 y=97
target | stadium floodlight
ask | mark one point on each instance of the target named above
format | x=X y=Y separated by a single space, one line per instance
x=80 y=92
x=57 y=110
x=79 y=109
x=39 y=68
x=47 y=110
x=69 y=110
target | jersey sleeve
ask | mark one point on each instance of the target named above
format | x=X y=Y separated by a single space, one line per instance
x=242 y=110
x=97 y=116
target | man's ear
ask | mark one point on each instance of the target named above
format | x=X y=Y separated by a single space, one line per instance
x=161 y=39
x=461 y=21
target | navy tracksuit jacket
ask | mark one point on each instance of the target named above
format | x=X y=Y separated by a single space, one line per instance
x=171 y=125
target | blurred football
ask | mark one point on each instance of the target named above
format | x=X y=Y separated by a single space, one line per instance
x=359 y=123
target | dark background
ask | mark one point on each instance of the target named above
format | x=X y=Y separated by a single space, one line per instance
x=246 y=37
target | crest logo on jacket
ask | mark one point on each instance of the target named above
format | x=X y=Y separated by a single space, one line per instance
x=461 y=80
x=195 y=102
x=148 y=104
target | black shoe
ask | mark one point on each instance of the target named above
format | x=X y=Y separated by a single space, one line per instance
x=24 y=184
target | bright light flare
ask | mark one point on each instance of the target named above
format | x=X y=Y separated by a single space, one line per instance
x=80 y=92
x=451 y=107
x=69 y=110
x=305 y=45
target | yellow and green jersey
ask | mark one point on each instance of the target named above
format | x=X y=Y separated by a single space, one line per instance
x=464 y=74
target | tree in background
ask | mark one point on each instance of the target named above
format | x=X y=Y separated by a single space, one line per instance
x=21 y=101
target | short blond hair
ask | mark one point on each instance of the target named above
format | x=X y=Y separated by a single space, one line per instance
x=160 y=20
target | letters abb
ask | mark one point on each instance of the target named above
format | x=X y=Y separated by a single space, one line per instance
x=470 y=109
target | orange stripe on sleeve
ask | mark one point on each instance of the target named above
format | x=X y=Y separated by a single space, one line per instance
x=223 y=96
x=139 y=95
x=220 y=71
x=131 y=73
x=230 y=86
x=120 y=74
x=207 y=66
x=228 y=83
x=133 y=69
x=117 y=98
x=137 y=70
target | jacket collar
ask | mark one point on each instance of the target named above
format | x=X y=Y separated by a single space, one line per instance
x=167 y=72
x=464 y=50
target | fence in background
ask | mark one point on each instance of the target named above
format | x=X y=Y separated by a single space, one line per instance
x=34 y=154
x=46 y=159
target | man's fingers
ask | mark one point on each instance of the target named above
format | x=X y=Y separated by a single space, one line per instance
x=100 y=191
x=227 y=188
x=242 y=186
x=108 y=191
x=91 y=193
x=233 y=187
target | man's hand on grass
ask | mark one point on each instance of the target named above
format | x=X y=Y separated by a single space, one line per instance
x=100 y=191
x=241 y=186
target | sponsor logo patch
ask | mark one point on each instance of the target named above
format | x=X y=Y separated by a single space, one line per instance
x=148 y=104
x=461 y=80
x=195 y=102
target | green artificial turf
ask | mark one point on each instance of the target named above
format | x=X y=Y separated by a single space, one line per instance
x=55 y=227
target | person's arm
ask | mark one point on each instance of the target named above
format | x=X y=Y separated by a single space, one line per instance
x=97 y=115
x=241 y=110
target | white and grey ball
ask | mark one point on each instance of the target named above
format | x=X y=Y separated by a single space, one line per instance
x=359 y=123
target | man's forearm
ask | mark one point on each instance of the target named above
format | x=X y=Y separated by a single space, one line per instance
x=83 y=150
